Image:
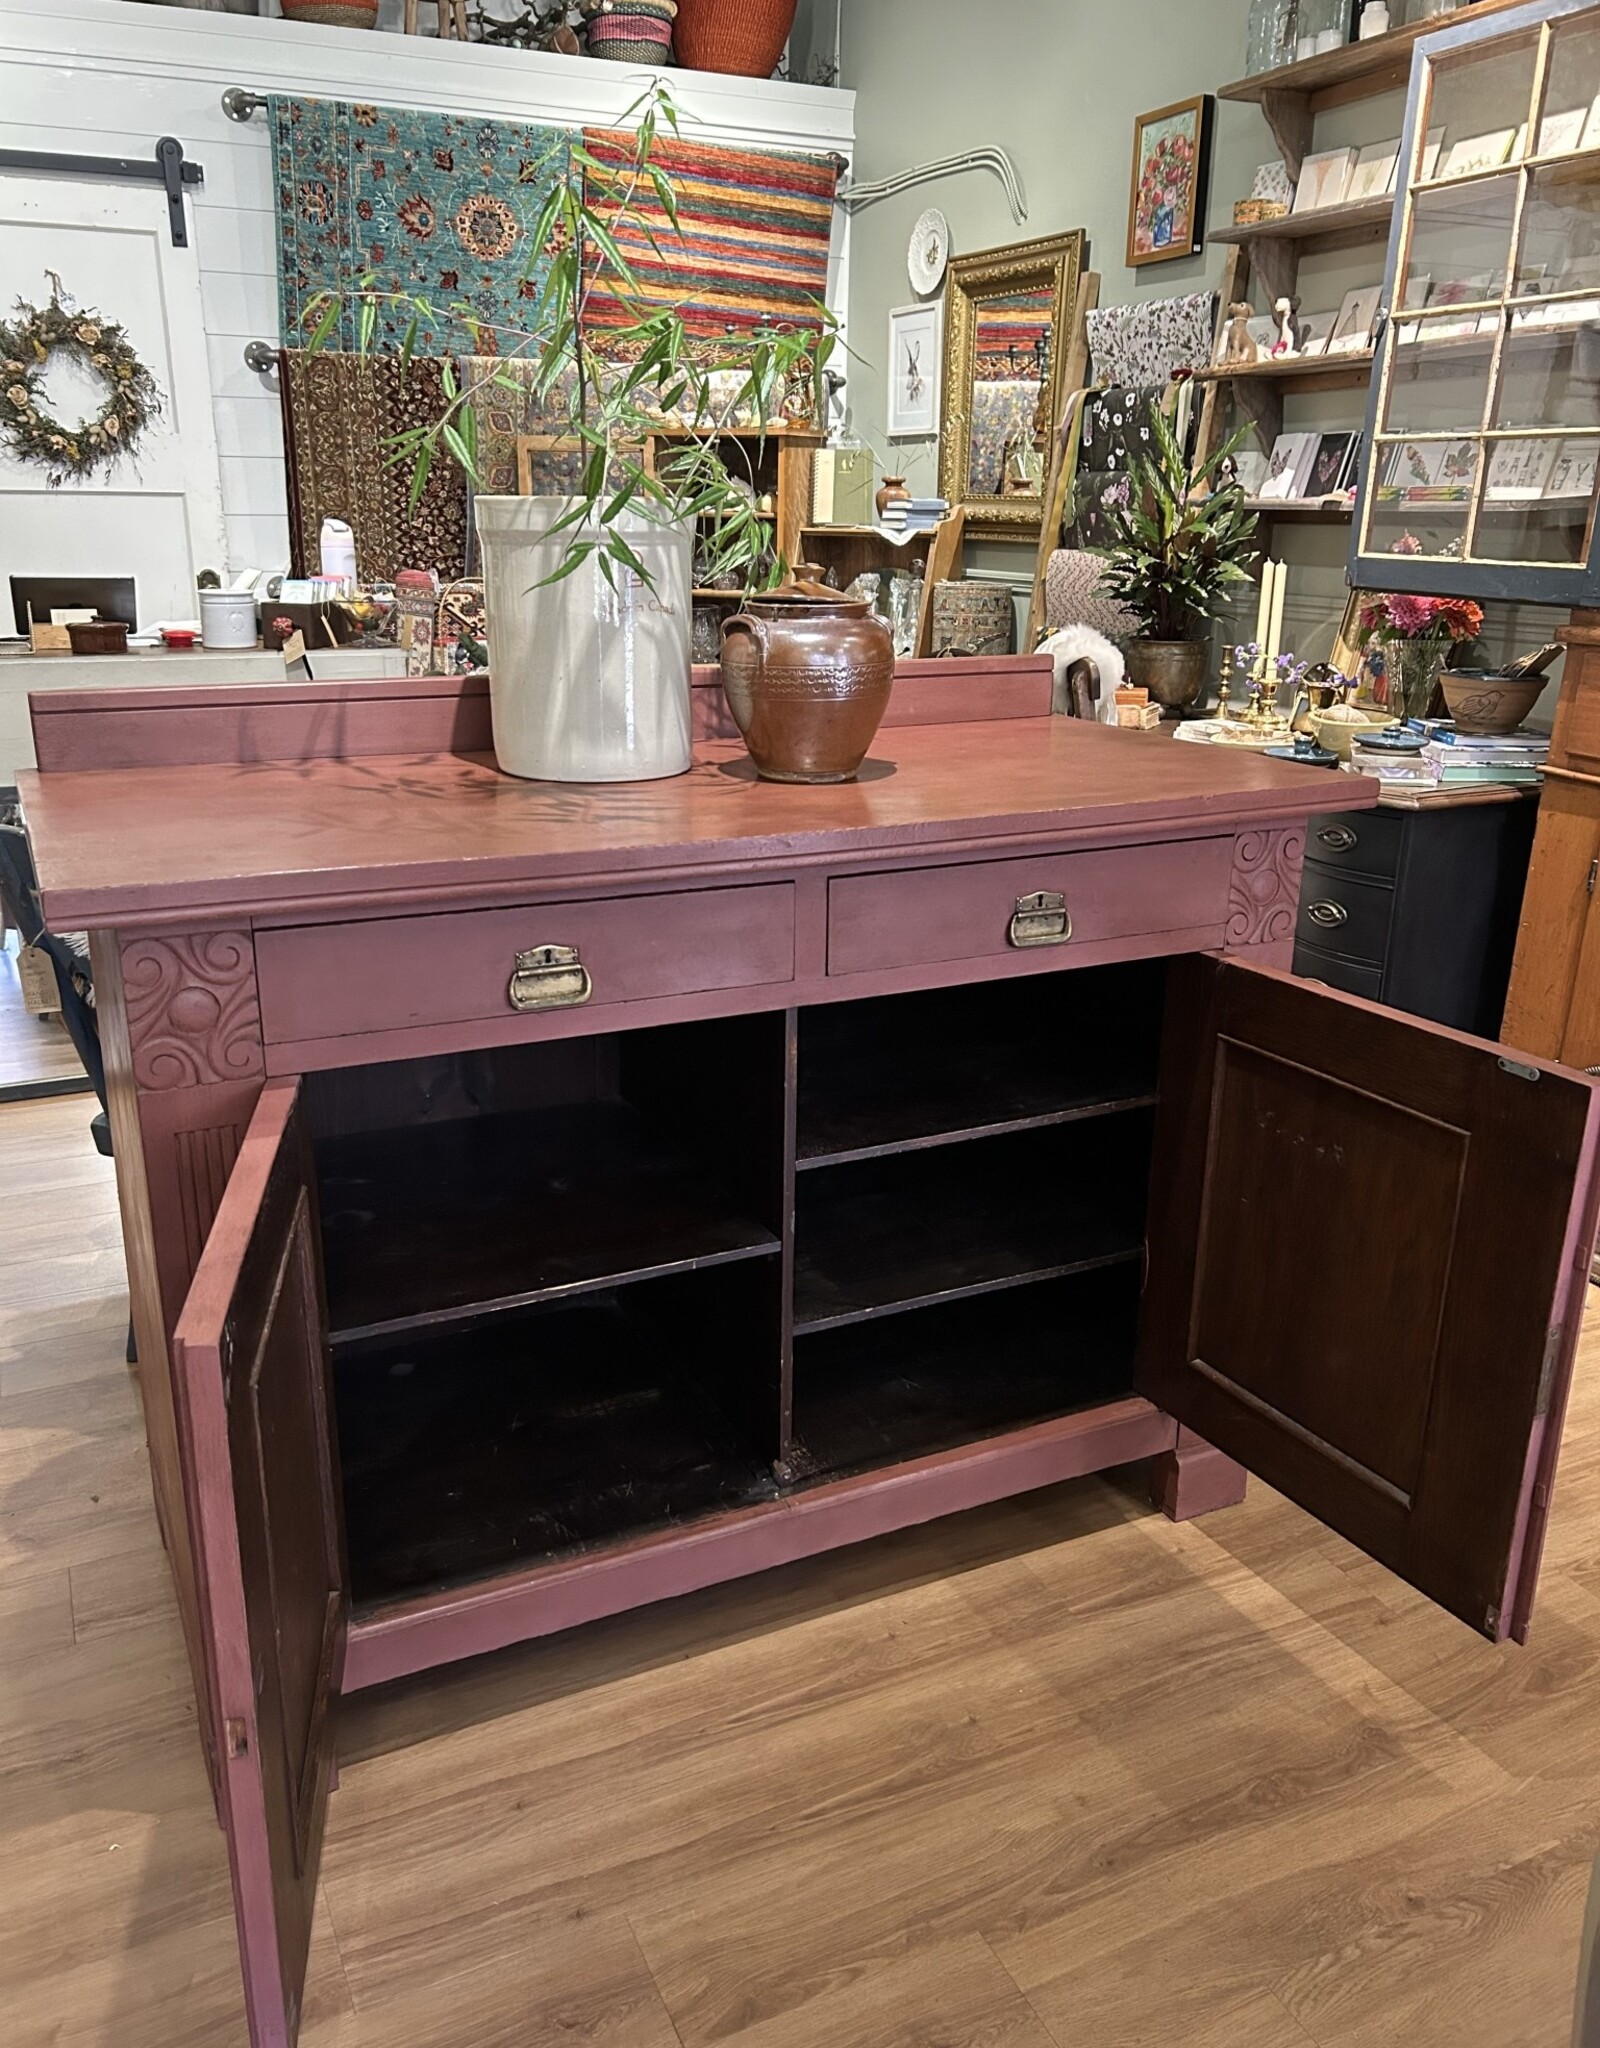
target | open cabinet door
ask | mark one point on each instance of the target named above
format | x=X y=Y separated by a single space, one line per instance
x=1369 y=1243
x=251 y=1368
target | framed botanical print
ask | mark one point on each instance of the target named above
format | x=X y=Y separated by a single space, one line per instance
x=1171 y=174
x=916 y=339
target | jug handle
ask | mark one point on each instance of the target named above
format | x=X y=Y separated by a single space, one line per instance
x=742 y=622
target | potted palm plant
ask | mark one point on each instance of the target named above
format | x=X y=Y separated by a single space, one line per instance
x=1179 y=542
x=589 y=593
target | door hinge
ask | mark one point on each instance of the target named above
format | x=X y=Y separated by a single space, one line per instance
x=1520 y=1069
x=1547 y=1371
x=236 y=1738
x=1594 y=875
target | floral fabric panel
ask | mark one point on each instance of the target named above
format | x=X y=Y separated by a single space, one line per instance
x=1116 y=427
x=752 y=238
x=339 y=411
x=440 y=207
x=1151 y=342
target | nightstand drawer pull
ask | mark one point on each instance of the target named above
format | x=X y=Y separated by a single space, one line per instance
x=1041 y=920
x=550 y=978
x=1329 y=915
x=1337 y=838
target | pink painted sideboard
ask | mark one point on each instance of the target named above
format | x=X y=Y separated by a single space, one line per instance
x=542 y=1200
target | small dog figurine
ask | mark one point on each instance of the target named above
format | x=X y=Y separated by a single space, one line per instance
x=1288 y=341
x=1240 y=345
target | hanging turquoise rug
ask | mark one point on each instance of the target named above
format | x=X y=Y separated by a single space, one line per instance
x=439 y=207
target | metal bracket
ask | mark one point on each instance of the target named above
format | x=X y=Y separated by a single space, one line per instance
x=852 y=195
x=261 y=357
x=168 y=167
x=239 y=103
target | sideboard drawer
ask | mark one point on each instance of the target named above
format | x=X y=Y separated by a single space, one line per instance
x=918 y=915
x=398 y=973
x=1364 y=842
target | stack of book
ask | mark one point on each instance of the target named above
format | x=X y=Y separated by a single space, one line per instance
x=1458 y=758
x=913 y=515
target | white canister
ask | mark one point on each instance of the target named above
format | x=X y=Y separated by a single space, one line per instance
x=586 y=683
x=1374 y=19
x=227 y=618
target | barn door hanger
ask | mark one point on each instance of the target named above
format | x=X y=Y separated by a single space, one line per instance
x=167 y=167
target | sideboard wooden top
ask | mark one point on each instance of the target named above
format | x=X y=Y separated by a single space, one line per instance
x=192 y=843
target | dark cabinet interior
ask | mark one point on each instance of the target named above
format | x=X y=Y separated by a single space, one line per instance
x=587 y=1290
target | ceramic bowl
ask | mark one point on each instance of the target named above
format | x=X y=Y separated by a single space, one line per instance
x=1336 y=734
x=1483 y=702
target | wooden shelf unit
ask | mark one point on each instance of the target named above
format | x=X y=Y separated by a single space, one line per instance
x=780 y=458
x=1294 y=94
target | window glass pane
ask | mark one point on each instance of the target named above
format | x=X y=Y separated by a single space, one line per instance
x=1460 y=243
x=1478 y=110
x=1560 y=247
x=1438 y=374
x=1550 y=368
x=1568 y=120
x=1538 y=501
x=1433 y=531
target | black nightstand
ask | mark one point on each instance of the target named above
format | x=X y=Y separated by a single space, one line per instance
x=1419 y=909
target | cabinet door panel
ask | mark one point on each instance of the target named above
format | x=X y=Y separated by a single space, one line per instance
x=251 y=1367
x=1368 y=1243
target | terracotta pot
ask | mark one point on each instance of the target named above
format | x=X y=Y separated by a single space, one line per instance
x=1173 y=671
x=742 y=36
x=1488 y=703
x=808 y=682
x=333 y=13
x=892 y=491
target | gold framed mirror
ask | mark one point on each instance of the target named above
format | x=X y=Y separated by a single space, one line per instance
x=1007 y=322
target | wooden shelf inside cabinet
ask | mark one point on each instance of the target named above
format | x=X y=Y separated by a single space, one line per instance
x=1291 y=95
x=1362 y=220
x=479 y=1215
x=908 y=1230
x=544 y=1436
x=872 y=1394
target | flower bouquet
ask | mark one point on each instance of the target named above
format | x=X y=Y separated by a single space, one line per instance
x=1406 y=640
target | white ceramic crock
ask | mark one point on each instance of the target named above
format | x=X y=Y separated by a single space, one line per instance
x=586 y=683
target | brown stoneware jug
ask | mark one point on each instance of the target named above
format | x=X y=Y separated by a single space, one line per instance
x=807 y=675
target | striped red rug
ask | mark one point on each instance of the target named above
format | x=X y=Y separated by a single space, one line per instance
x=752 y=235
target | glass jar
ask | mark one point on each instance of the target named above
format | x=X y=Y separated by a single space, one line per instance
x=1322 y=25
x=1268 y=41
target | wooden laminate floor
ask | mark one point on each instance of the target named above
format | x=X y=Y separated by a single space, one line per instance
x=1055 y=1773
x=32 y=1049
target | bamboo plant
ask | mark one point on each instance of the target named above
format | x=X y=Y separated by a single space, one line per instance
x=608 y=394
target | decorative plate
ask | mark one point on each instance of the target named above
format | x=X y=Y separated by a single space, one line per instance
x=929 y=252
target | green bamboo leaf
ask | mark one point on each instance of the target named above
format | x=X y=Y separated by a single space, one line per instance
x=419 y=473
x=367 y=326
x=408 y=343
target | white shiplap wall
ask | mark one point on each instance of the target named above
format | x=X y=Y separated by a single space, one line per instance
x=108 y=78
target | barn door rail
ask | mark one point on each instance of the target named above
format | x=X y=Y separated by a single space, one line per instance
x=168 y=166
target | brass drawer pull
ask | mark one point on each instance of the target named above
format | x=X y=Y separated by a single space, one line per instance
x=1339 y=838
x=1041 y=920
x=550 y=978
x=1329 y=915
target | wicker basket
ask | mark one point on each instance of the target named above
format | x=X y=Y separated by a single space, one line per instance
x=333 y=13
x=632 y=32
x=742 y=36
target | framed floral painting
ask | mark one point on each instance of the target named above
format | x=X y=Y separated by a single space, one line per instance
x=1171 y=172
